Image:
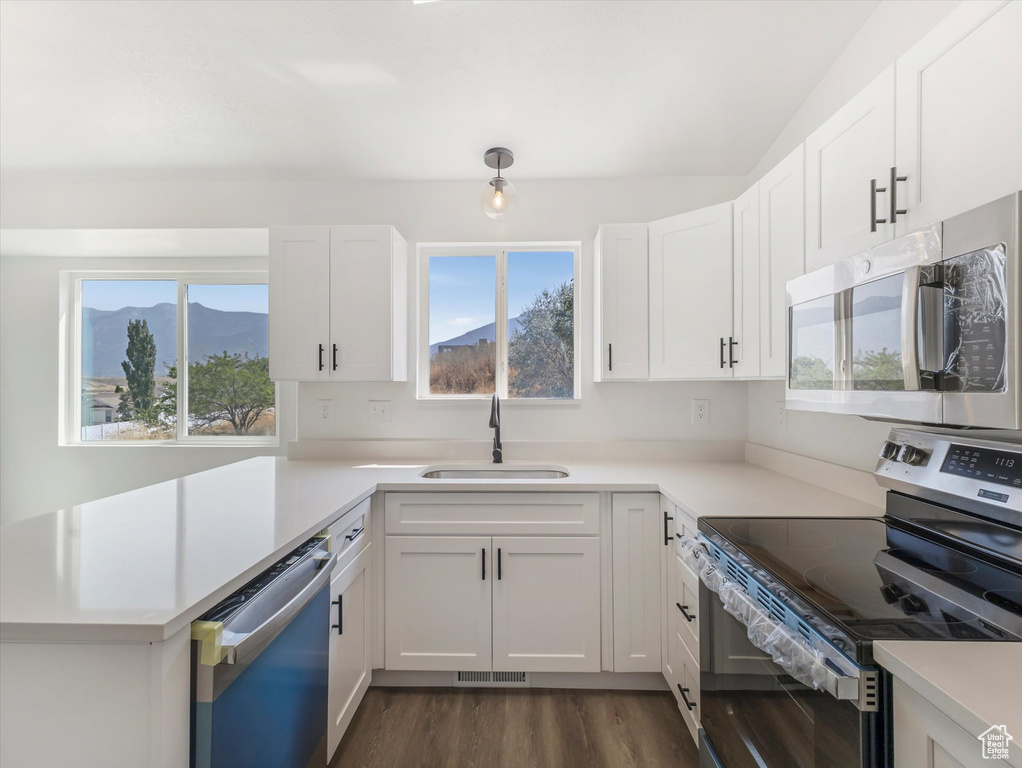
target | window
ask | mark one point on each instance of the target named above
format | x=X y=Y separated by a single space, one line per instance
x=162 y=358
x=499 y=319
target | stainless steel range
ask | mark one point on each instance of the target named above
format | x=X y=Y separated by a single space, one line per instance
x=794 y=605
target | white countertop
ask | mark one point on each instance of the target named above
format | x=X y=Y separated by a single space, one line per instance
x=976 y=684
x=141 y=565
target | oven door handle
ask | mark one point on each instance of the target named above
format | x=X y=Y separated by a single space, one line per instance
x=910 y=328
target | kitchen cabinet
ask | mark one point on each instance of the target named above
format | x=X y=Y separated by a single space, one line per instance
x=621 y=327
x=924 y=737
x=637 y=537
x=781 y=257
x=668 y=565
x=959 y=114
x=746 y=284
x=546 y=604
x=350 y=644
x=690 y=295
x=338 y=303
x=438 y=602
x=854 y=147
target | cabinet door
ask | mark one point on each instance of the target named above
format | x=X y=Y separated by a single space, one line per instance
x=364 y=273
x=924 y=737
x=546 y=604
x=781 y=255
x=299 y=302
x=959 y=114
x=622 y=323
x=637 y=537
x=438 y=603
x=350 y=644
x=690 y=295
x=852 y=147
x=746 y=290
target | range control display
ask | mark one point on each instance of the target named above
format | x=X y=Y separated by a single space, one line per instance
x=1001 y=467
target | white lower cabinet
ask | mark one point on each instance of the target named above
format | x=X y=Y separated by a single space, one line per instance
x=924 y=737
x=350 y=644
x=637 y=540
x=438 y=603
x=546 y=604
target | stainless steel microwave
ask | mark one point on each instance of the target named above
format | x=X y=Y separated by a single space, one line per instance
x=924 y=328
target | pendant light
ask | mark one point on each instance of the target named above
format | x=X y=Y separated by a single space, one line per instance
x=498 y=195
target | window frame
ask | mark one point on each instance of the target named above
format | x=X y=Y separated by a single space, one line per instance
x=71 y=400
x=500 y=251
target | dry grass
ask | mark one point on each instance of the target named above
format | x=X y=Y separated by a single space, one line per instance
x=464 y=371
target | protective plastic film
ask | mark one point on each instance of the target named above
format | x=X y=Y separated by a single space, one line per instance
x=975 y=312
x=788 y=650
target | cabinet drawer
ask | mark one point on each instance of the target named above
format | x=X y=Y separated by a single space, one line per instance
x=687 y=680
x=492 y=513
x=349 y=534
x=687 y=597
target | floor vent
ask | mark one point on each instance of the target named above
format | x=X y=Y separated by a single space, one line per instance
x=491 y=679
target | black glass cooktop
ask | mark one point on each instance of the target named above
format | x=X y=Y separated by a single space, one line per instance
x=869 y=579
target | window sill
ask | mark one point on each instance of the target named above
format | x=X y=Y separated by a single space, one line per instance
x=512 y=402
x=197 y=443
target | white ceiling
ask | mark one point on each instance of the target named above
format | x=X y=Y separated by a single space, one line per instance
x=401 y=90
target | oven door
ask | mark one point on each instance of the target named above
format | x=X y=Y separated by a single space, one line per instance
x=865 y=335
x=756 y=715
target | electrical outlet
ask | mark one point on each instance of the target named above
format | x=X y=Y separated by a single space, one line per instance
x=379 y=411
x=325 y=406
x=700 y=411
x=781 y=416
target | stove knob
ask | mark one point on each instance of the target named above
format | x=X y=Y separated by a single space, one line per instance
x=891 y=593
x=912 y=604
x=912 y=456
x=889 y=451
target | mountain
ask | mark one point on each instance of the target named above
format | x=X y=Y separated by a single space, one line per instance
x=474 y=336
x=210 y=332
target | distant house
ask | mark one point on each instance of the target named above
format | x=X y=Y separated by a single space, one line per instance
x=99 y=410
x=441 y=349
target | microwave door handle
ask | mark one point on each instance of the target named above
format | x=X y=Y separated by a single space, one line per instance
x=910 y=328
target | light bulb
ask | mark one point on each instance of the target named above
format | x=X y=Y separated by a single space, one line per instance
x=497 y=197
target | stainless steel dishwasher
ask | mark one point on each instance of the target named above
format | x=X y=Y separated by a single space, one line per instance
x=260 y=666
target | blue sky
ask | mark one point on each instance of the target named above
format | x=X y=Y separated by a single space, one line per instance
x=462 y=288
x=114 y=294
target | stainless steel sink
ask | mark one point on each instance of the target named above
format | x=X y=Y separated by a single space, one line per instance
x=494 y=473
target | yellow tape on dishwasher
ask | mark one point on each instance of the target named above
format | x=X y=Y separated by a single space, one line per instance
x=210 y=635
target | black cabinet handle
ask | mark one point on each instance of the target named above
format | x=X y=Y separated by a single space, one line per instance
x=895 y=210
x=339 y=626
x=498 y=563
x=873 y=220
x=684 y=698
x=321 y=357
x=484 y=563
x=684 y=612
x=721 y=351
x=667 y=536
x=335 y=357
x=610 y=357
x=355 y=533
x=731 y=344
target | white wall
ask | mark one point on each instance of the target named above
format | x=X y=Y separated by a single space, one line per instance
x=38 y=476
x=890 y=30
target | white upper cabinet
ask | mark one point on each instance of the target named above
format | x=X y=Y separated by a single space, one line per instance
x=959 y=114
x=621 y=328
x=299 y=301
x=690 y=321
x=853 y=148
x=338 y=303
x=781 y=257
x=746 y=285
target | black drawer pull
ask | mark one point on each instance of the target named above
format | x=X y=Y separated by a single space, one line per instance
x=339 y=602
x=355 y=533
x=498 y=563
x=684 y=698
x=484 y=563
x=335 y=357
x=321 y=357
x=684 y=612
x=667 y=536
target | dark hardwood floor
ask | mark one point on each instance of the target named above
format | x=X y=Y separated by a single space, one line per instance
x=526 y=728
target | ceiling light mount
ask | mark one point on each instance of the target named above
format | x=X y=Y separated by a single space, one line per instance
x=498 y=195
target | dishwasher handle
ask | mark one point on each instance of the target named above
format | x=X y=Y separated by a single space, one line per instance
x=251 y=644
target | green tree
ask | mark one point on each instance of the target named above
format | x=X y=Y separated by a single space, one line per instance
x=230 y=388
x=878 y=370
x=139 y=370
x=541 y=351
x=166 y=402
x=810 y=372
